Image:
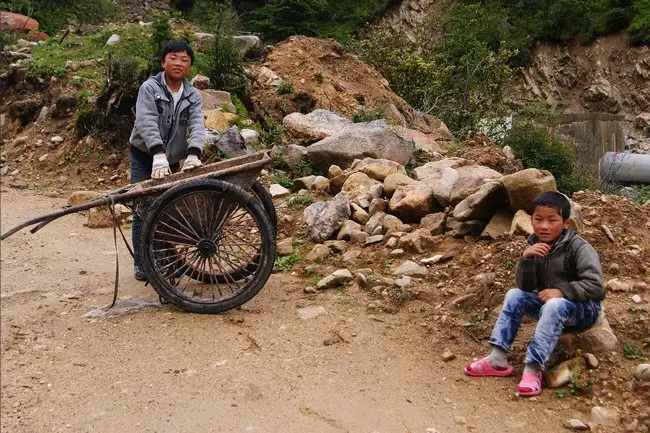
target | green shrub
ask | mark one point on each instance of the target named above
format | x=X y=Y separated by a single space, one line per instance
x=285 y=87
x=363 y=115
x=538 y=147
x=318 y=76
x=640 y=193
x=282 y=178
x=640 y=26
x=161 y=34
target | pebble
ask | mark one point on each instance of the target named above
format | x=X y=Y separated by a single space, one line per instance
x=637 y=299
x=604 y=417
x=448 y=356
x=608 y=233
x=577 y=425
x=277 y=190
x=310 y=290
x=56 y=139
x=591 y=360
x=460 y=420
x=403 y=282
x=392 y=243
x=643 y=372
x=397 y=252
x=43 y=157
x=432 y=260
x=310 y=312
x=411 y=268
x=374 y=239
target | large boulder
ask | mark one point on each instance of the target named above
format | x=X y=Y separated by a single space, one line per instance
x=426 y=143
x=248 y=44
x=499 y=225
x=435 y=223
x=412 y=202
x=524 y=186
x=229 y=142
x=291 y=155
x=521 y=224
x=219 y=121
x=420 y=241
x=377 y=169
x=388 y=223
x=217 y=100
x=482 y=204
x=454 y=179
x=305 y=129
x=598 y=339
x=325 y=218
x=357 y=141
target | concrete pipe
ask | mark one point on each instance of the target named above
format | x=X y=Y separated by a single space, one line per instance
x=625 y=167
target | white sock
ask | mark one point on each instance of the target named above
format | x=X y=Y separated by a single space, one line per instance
x=498 y=357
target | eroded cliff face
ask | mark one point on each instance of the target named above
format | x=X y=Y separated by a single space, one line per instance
x=607 y=76
x=408 y=14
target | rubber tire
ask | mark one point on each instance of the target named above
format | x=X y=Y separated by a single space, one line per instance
x=267 y=202
x=245 y=200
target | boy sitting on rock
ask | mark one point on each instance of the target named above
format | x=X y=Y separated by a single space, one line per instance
x=560 y=284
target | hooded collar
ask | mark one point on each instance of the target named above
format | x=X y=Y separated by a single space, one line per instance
x=187 y=87
x=564 y=238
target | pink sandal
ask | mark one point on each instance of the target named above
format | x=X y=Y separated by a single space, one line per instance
x=483 y=368
x=530 y=384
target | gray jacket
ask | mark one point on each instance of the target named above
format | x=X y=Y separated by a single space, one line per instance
x=573 y=266
x=158 y=127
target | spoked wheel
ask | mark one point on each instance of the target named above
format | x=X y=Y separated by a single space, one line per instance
x=207 y=246
x=267 y=202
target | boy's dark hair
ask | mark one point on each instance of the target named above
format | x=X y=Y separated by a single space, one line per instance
x=555 y=200
x=177 y=47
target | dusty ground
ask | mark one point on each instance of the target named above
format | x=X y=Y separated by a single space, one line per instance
x=256 y=369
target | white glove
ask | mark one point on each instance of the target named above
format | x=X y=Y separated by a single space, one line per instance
x=160 y=167
x=192 y=161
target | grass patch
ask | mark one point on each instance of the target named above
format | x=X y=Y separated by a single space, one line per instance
x=285 y=87
x=282 y=178
x=285 y=264
x=300 y=200
x=630 y=351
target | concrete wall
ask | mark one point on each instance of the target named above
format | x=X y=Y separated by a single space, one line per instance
x=593 y=135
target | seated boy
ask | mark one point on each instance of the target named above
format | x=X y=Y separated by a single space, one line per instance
x=560 y=284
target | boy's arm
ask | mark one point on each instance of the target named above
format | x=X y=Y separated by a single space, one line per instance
x=196 y=126
x=146 y=120
x=525 y=274
x=589 y=285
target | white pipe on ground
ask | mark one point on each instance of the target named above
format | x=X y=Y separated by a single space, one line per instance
x=625 y=167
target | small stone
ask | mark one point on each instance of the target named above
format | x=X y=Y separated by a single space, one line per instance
x=358 y=237
x=403 y=282
x=642 y=372
x=337 y=247
x=310 y=312
x=392 y=243
x=351 y=255
x=310 y=290
x=318 y=252
x=637 y=299
x=362 y=279
x=285 y=247
x=114 y=39
x=277 y=190
x=448 y=356
x=577 y=425
x=334 y=171
x=616 y=285
x=374 y=240
x=398 y=252
x=411 y=269
x=591 y=360
x=608 y=233
x=321 y=184
x=334 y=279
x=43 y=157
x=604 y=417
x=614 y=268
x=56 y=139
x=432 y=260
x=460 y=420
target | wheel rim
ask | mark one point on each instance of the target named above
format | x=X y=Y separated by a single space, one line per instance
x=205 y=246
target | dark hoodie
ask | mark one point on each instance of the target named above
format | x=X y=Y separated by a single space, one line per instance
x=572 y=265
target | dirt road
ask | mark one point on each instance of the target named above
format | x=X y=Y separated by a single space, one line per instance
x=257 y=369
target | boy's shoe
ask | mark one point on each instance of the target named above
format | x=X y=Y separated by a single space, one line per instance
x=139 y=273
x=482 y=367
x=530 y=385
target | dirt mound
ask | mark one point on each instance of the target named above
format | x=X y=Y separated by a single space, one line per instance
x=480 y=149
x=325 y=76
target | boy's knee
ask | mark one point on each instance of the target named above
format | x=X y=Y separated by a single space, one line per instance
x=555 y=306
x=514 y=296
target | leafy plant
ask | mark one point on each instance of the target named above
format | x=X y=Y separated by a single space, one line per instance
x=578 y=386
x=300 y=200
x=631 y=352
x=363 y=115
x=285 y=263
x=318 y=76
x=285 y=87
x=282 y=178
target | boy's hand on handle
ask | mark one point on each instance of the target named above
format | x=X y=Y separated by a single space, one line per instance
x=160 y=167
x=192 y=161
x=539 y=249
x=548 y=294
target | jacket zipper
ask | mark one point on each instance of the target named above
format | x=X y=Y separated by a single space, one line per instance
x=173 y=120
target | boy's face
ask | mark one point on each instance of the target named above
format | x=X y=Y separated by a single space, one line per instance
x=177 y=65
x=548 y=224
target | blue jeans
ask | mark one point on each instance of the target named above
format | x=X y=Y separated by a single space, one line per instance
x=554 y=316
x=141 y=164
